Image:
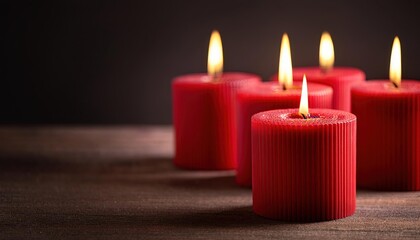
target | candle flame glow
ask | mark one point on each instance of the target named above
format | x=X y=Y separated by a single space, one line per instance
x=285 y=63
x=303 y=107
x=326 y=52
x=395 y=64
x=215 y=56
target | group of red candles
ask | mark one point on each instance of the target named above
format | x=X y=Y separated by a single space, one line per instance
x=295 y=142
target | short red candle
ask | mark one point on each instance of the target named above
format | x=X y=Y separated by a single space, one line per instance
x=204 y=119
x=268 y=96
x=304 y=169
x=341 y=79
x=388 y=147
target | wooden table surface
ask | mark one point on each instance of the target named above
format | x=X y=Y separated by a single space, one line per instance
x=119 y=183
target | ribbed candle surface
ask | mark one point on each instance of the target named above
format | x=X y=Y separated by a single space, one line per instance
x=388 y=147
x=341 y=79
x=204 y=119
x=269 y=96
x=304 y=169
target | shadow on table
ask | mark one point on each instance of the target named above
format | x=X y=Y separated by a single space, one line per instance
x=239 y=217
x=34 y=164
x=204 y=183
x=141 y=166
x=85 y=164
x=133 y=171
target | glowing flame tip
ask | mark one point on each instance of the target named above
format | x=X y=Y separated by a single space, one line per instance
x=303 y=107
x=326 y=52
x=285 y=63
x=215 y=56
x=395 y=63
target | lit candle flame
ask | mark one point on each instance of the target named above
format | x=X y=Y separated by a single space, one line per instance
x=303 y=107
x=285 y=63
x=326 y=52
x=395 y=64
x=215 y=57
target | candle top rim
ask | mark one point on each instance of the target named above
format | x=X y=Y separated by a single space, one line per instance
x=204 y=78
x=290 y=117
x=275 y=89
x=315 y=73
x=336 y=70
x=385 y=87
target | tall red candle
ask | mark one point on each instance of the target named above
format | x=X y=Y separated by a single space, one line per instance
x=388 y=149
x=341 y=79
x=204 y=119
x=268 y=96
x=304 y=169
x=204 y=114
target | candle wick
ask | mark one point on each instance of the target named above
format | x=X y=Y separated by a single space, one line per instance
x=395 y=85
x=304 y=116
x=215 y=77
x=325 y=70
x=284 y=87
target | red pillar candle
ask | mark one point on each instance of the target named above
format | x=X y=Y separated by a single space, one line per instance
x=341 y=79
x=204 y=114
x=304 y=168
x=268 y=96
x=388 y=147
x=204 y=119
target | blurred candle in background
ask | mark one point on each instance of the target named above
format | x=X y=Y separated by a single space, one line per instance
x=341 y=79
x=388 y=113
x=204 y=113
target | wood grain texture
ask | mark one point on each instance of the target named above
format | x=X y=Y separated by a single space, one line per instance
x=119 y=183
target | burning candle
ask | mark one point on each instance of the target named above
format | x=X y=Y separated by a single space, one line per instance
x=304 y=163
x=268 y=96
x=204 y=114
x=341 y=79
x=388 y=147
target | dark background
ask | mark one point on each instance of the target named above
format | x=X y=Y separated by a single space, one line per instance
x=111 y=62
